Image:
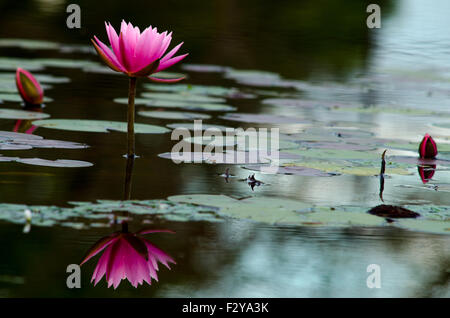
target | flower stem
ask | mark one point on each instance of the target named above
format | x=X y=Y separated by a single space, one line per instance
x=131 y=113
x=128 y=178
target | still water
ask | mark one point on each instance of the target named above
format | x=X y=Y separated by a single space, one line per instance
x=317 y=51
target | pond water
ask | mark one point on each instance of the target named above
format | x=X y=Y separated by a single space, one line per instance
x=339 y=93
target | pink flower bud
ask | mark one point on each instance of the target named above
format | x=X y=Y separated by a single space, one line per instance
x=29 y=88
x=428 y=148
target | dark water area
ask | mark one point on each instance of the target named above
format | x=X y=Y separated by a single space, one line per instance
x=310 y=50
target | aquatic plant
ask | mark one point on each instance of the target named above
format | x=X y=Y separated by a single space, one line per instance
x=29 y=88
x=137 y=54
x=428 y=148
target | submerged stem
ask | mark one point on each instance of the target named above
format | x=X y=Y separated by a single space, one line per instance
x=130 y=117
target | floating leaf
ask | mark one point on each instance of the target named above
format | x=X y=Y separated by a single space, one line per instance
x=204 y=68
x=183 y=97
x=263 y=119
x=98 y=126
x=19 y=141
x=335 y=154
x=291 y=170
x=21 y=114
x=201 y=127
x=62 y=163
x=29 y=44
x=228 y=92
x=363 y=168
x=178 y=104
x=228 y=157
x=173 y=115
x=55 y=163
x=301 y=103
x=218 y=141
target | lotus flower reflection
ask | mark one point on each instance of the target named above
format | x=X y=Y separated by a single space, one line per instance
x=137 y=54
x=127 y=255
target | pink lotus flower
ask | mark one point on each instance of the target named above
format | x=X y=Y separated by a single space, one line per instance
x=127 y=255
x=29 y=88
x=428 y=148
x=138 y=54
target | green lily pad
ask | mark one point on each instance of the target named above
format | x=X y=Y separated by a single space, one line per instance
x=227 y=92
x=263 y=119
x=279 y=211
x=218 y=141
x=414 y=146
x=19 y=141
x=169 y=75
x=173 y=115
x=363 y=168
x=227 y=157
x=178 y=104
x=29 y=44
x=204 y=68
x=17 y=98
x=335 y=154
x=61 y=163
x=86 y=214
x=11 y=64
x=21 y=114
x=203 y=127
x=42 y=78
x=390 y=110
x=98 y=126
x=183 y=97
x=292 y=170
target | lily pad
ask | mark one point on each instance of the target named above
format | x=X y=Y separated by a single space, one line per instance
x=218 y=141
x=21 y=114
x=87 y=214
x=178 y=104
x=362 y=168
x=62 y=163
x=173 y=115
x=293 y=170
x=19 y=141
x=335 y=154
x=301 y=103
x=204 y=68
x=98 y=126
x=29 y=44
x=263 y=119
x=183 y=97
x=201 y=127
x=442 y=147
x=254 y=77
x=16 y=98
x=391 y=110
x=227 y=157
x=227 y=92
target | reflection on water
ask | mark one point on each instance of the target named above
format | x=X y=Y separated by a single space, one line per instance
x=127 y=255
x=307 y=50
